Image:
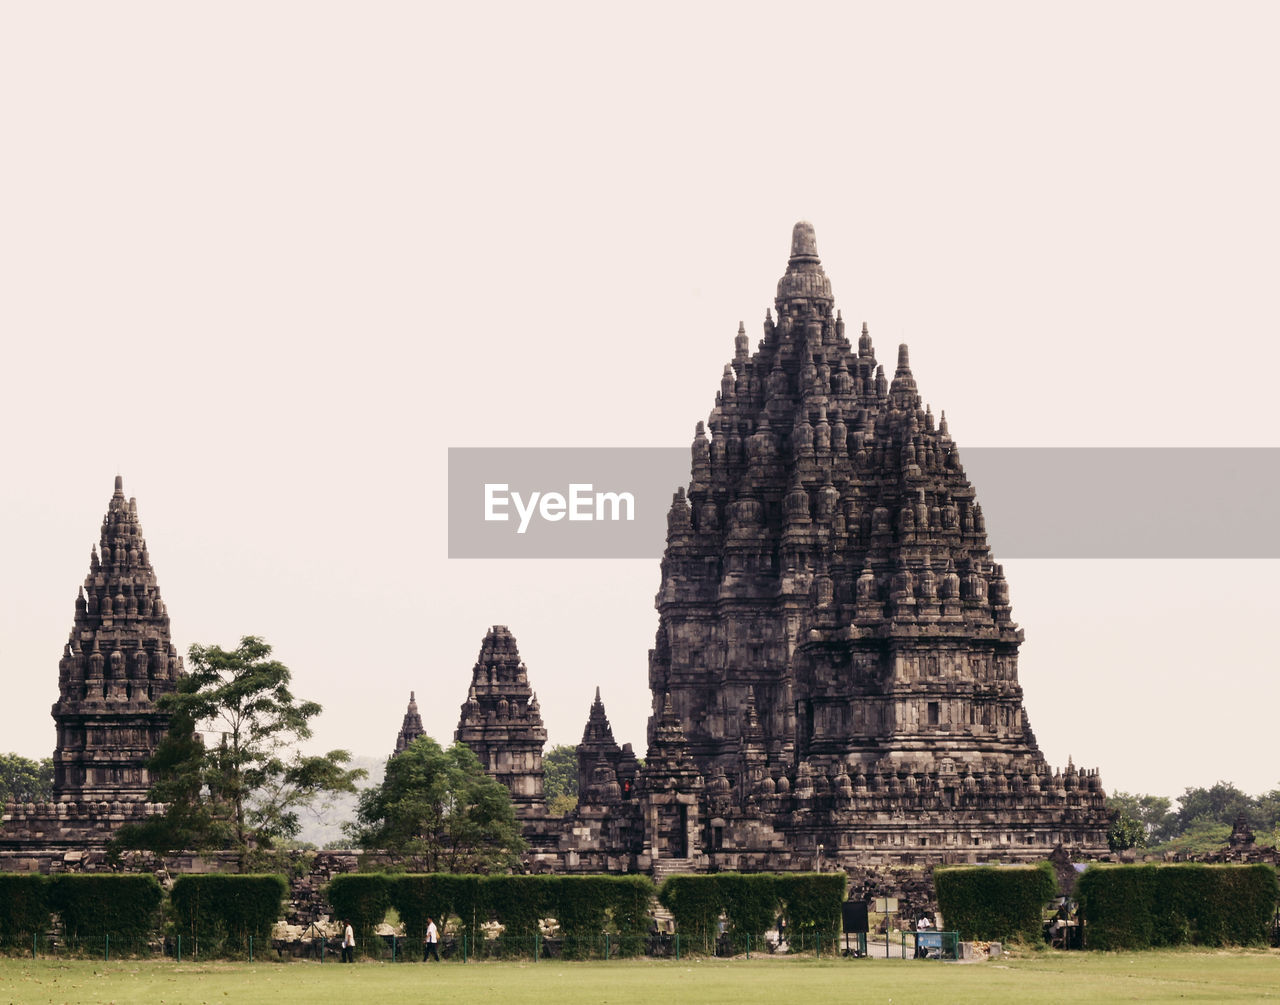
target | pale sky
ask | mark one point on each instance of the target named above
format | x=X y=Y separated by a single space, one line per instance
x=269 y=261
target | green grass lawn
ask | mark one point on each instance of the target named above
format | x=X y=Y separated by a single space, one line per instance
x=1034 y=977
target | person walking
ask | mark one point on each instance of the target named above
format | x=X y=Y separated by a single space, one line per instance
x=348 y=943
x=431 y=944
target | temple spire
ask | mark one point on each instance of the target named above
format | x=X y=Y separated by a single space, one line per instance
x=804 y=280
x=410 y=726
x=108 y=722
x=501 y=721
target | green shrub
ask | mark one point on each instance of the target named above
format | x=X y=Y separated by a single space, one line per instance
x=750 y=905
x=121 y=907
x=631 y=911
x=695 y=904
x=581 y=907
x=24 y=908
x=518 y=903
x=361 y=898
x=811 y=901
x=220 y=913
x=996 y=903
x=419 y=896
x=1143 y=906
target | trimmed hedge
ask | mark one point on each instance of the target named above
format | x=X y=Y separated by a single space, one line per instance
x=361 y=898
x=436 y=895
x=996 y=903
x=751 y=902
x=121 y=907
x=695 y=903
x=630 y=909
x=1143 y=906
x=519 y=902
x=220 y=913
x=812 y=901
x=24 y=908
x=750 y=905
x=585 y=906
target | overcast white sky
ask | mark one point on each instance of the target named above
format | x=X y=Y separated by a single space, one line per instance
x=269 y=261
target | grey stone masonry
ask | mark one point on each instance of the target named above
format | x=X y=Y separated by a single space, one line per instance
x=118 y=662
x=411 y=727
x=834 y=636
x=501 y=721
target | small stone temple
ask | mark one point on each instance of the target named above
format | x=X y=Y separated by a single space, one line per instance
x=835 y=673
x=118 y=660
x=502 y=722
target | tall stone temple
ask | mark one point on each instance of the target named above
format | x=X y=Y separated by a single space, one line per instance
x=835 y=674
x=502 y=722
x=118 y=661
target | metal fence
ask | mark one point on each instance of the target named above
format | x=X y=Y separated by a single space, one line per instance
x=460 y=949
x=931 y=945
x=114 y=947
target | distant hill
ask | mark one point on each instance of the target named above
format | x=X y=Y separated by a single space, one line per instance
x=323 y=828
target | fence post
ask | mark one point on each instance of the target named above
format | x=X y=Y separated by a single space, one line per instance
x=677 y=947
x=34 y=936
x=464 y=947
x=179 y=948
x=393 y=947
x=606 y=946
x=107 y=947
x=250 y=948
x=537 y=943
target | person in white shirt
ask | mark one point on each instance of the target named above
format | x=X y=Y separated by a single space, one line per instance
x=925 y=924
x=430 y=945
x=348 y=943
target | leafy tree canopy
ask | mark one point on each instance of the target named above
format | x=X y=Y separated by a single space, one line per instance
x=441 y=811
x=1125 y=833
x=1152 y=812
x=23 y=780
x=1222 y=803
x=1201 y=822
x=244 y=791
x=560 y=782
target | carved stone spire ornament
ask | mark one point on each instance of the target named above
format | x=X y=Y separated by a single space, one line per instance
x=501 y=721
x=119 y=660
x=837 y=619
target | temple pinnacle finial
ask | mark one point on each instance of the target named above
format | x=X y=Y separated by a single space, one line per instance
x=804 y=278
x=119 y=487
x=804 y=242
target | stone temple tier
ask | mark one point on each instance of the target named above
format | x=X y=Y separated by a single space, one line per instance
x=501 y=721
x=834 y=636
x=118 y=662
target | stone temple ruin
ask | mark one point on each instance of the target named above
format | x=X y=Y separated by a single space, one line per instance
x=118 y=660
x=834 y=678
x=835 y=674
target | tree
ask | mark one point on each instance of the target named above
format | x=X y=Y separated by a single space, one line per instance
x=23 y=780
x=1204 y=836
x=1152 y=812
x=1222 y=804
x=560 y=781
x=245 y=791
x=441 y=811
x=1125 y=833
